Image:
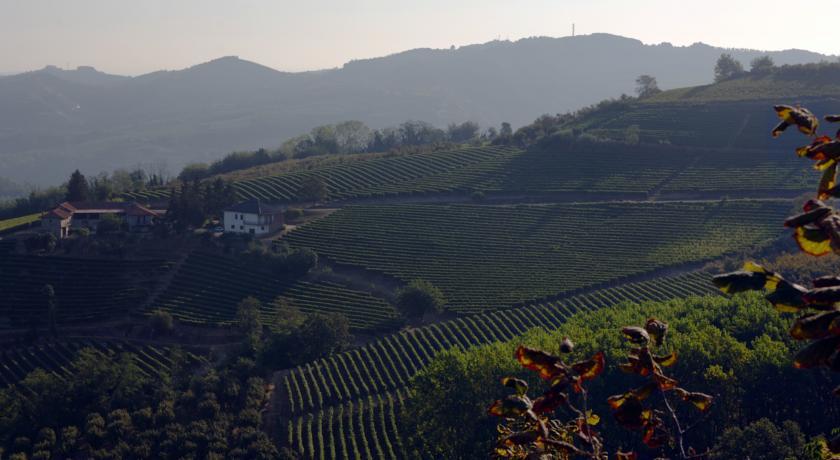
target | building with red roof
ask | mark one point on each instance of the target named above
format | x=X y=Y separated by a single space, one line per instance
x=67 y=216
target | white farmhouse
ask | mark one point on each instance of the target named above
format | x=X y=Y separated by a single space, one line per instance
x=253 y=217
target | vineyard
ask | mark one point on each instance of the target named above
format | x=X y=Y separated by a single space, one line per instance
x=490 y=257
x=55 y=357
x=345 y=406
x=85 y=289
x=379 y=176
x=722 y=124
x=581 y=168
x=207 y=288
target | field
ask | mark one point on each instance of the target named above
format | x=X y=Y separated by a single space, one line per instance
x=490 y=257
x=735 y=126
x=85 y=289
x=207 y=288
x=347 y=406
x=9 y=225
x=55 y=357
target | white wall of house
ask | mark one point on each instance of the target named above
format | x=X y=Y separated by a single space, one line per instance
x=237 y=222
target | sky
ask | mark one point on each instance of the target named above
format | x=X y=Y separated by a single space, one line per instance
x=139 y=36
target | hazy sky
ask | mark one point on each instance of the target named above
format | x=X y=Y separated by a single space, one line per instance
x=137 y=36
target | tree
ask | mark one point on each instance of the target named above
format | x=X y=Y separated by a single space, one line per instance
x=193 y=172
x=321 y=335
x=761 y=440
x=52 y=307
x=646 y=86
x=463 y=132
x=762 y=65
x=727 y=67
x=77 y=187
x=313 y=189
x=287 y=317
x=109 y=223
x=419 y=298
x=249 y=322
x=161 y=321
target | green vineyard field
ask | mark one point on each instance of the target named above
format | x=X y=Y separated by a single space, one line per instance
x=346 y=406
x=207 y=288
x=85 y=289
x=490 y=257
x=55 y=357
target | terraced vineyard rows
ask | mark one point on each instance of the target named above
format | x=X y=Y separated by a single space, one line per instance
x=379 y=176
x=365 y=428
x=55 y=357
x=207 y=289
x=85 y=289
x=335 y=403
x=490 y=257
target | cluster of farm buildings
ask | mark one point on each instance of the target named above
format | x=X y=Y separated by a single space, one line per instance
x=249 y=217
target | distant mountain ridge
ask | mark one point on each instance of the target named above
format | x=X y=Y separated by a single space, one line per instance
x=53 y=121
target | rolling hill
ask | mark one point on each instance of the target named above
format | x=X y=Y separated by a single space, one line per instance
x=95 y=121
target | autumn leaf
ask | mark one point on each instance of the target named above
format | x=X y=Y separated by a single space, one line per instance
x=667 y=360
x=636 y=335
x=788 y=297
x=814 y=326
x=511 y=406
x=817 y=353
x=701 y=401
x=547 y=365
x=518 y=385
x=591 y=368
x=800 y=117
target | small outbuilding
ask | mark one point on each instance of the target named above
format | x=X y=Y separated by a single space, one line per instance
x=253 y=217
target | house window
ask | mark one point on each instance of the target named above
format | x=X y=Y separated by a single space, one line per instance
x=262 y=228
x=233 y=227
x=242 y=227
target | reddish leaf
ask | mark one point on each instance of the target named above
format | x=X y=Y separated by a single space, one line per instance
x=636 y=335
x=547 y=365
x=518 y=385
x=665 y=383
x=511 y=406
x=550 y=401
x=655 y=436
x=667 y=360
x=701 y=401
x=817 y=353
x=813 y=326
x=591 y=368
x=800 y=117
x=788 y=297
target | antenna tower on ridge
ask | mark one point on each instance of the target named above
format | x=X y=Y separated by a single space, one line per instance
x=573 y=29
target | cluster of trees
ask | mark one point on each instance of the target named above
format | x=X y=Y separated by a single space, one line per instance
x=351 y=137
x=727 y=67
x=279 y=259
x=289 y=338
x=194 y=202
x=110 y=408
x=735 y=349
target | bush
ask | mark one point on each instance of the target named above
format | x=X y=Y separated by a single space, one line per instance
x=162 y=322
x=419 y=298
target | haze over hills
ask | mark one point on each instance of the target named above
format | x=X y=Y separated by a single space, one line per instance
x=67 y=119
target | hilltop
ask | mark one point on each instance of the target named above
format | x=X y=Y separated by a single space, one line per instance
x=90 y=119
